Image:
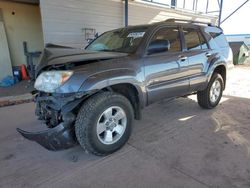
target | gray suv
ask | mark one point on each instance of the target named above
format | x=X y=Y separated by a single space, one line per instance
x=92 y=96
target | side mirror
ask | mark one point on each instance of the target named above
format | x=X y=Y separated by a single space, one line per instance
x=159 y=45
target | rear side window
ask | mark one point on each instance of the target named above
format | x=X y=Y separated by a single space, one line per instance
x=194 y=40
x=203 y=41
x=171 y=35
x=219 y=38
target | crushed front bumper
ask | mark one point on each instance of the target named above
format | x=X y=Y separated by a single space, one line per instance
x=58 y=138
x=57 y=113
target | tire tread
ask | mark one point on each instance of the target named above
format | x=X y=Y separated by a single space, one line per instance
x=203 y=96
x=85 y=118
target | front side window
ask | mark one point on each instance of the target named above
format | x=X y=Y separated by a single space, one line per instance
x=194 y=40
x=171 y=35
x=121 y=40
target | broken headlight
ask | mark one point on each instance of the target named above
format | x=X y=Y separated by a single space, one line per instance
x=49 y=81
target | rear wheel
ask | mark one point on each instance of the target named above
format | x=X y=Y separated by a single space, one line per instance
x=104 y=123
x=210 y=97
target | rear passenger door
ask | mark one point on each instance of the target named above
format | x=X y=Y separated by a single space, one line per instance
x=198 y=54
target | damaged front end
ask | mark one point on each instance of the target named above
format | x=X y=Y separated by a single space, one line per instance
x=57 y=138
x=58 y=111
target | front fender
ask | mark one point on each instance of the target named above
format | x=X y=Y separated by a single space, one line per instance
x=113 y=77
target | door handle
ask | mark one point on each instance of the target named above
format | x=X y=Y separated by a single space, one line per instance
x=182 y=58
x=208 y=54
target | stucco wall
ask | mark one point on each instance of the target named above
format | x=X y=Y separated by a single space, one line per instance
x=5 y=63
x=22 y=23
x=63 y=20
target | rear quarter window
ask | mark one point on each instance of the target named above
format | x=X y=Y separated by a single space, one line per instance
x=219 y=39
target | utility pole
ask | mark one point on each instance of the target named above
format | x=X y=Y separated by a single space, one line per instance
x=221 y=6
x=126 y=13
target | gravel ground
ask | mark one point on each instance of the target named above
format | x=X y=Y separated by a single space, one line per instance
x=239 y=81
x=177 y=145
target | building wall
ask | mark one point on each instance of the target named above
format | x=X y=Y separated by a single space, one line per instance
x=22 y=23
x=64 y=21
x=5 y=63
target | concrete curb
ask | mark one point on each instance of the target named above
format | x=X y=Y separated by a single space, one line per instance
x=13 y=100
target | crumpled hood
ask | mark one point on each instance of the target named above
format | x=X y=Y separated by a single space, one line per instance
x=55 y=56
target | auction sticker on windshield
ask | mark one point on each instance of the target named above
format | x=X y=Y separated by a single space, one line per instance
x=136 y=34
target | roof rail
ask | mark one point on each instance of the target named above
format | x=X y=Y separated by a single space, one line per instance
x=189 y=21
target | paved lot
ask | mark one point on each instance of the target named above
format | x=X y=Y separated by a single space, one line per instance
x=20 y=88
x=177 y=145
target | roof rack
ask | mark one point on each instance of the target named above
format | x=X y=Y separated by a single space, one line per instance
x=189 y=21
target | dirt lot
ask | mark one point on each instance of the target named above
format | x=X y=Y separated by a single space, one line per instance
x=177 y=145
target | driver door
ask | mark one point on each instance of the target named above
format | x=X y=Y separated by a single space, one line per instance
x=166 y=73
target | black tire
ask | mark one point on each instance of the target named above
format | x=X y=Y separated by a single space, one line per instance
x=203 y=97
x=88 y=118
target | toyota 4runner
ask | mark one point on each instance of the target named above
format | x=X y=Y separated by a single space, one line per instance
x=92 y=96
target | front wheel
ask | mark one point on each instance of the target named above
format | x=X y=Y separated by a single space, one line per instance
x=210 y=97
x=104 y=123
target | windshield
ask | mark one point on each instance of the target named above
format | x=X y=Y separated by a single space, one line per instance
x=122 y=40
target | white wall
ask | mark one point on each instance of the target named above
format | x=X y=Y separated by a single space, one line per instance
x=5 y=63
x=64 y=20
x=22 y=23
